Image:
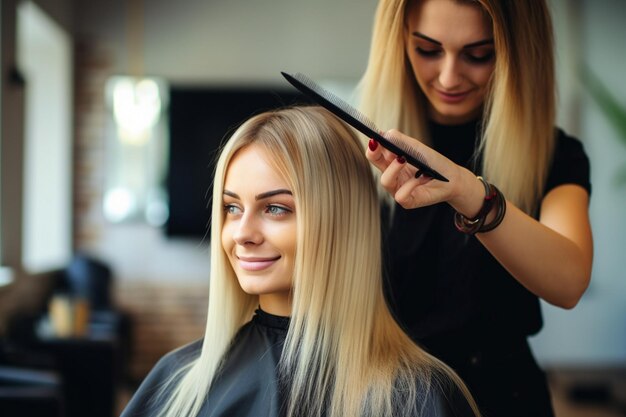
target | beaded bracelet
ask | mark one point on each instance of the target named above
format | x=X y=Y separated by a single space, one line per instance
x=477 y=224
x=471 y=226
x=501 y=211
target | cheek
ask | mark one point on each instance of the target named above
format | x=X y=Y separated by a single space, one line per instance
x=423 y=71
x=483 y=75
x=288 y=241
x=288 y=244
x=410 y=56
x=227 y=239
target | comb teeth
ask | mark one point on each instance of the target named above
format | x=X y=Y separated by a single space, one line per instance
x=407 y=149
x=360 y=122
x=333 y=98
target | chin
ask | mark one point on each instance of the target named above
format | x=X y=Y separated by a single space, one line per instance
x=450 y=114
x=249 y=287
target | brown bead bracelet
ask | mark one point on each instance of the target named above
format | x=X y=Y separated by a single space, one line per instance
x=477 y=224
x=501 y=211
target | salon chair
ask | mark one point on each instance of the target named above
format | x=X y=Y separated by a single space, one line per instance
x=89 y=366
x=30 y=393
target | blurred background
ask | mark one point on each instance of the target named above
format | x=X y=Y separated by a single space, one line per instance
x=111 y=112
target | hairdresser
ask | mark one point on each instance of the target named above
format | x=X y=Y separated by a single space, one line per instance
x=469 y=259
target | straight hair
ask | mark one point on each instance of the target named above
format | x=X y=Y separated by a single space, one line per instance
x=344 y=354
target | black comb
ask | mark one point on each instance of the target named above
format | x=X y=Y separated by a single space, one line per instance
x=361 y=123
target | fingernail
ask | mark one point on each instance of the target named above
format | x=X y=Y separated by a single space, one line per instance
x=401 y=159
x=372 y=145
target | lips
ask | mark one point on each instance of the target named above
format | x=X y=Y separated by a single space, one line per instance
x=452 y=97
x=256 y=263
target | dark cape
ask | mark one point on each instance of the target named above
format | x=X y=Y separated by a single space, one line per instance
x=249 y=384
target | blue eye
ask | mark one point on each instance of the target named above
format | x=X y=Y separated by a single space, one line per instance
x=275 y=210
x=231 y=209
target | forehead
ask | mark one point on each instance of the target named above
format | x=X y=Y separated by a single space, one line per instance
x=253 y=168
x=449 y=21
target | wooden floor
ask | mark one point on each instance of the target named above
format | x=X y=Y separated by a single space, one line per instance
x=588 y=392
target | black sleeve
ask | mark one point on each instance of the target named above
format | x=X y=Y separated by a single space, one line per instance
x=570 y=164
x=146 y=401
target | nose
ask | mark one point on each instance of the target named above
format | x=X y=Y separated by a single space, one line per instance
x=248 y=230
x=450 y=73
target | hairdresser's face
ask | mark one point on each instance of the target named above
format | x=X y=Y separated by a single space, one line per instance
x=259 y=233
x=450 y=47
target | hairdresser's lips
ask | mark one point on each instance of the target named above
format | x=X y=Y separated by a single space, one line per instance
x=249 y=263
x=452 y=98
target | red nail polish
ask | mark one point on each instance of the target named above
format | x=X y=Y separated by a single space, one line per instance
x=401 y=159
x=372 y=145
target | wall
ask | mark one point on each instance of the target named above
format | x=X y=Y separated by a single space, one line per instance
x=62 y=11
x=244 y=41
x=11 y=152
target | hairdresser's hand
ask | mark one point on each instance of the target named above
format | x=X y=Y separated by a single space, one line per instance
x=463 y=191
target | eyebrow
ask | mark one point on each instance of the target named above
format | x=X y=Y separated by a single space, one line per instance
x=469 y=45
x=261 y=196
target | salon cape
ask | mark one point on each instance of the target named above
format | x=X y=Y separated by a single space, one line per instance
x=248 y=384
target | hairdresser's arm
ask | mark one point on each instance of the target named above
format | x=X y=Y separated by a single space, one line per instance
x=551 y=257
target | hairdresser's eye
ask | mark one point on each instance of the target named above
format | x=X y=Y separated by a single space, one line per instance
x=275 y=210
x=482 y=58
x=232 y=209
x=428 y=53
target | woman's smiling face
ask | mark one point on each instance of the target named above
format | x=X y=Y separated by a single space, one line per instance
x=259 y=232
x=450 y=48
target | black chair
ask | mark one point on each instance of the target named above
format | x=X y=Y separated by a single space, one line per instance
x=30 y=393
x=91 y=279
x=89 y=367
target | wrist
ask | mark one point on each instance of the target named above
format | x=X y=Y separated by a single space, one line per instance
x=470 y=195
x=483 y=221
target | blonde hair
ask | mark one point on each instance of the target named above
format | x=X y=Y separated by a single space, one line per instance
x=344 y=355
x=518 y=134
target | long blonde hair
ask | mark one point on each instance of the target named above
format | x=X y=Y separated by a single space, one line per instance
x=344 y=355
x=518 y=134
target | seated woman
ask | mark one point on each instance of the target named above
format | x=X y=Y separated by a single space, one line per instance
x=296 y=236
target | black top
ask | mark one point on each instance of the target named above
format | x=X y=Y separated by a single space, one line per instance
x=249 y=383
x=442 y=282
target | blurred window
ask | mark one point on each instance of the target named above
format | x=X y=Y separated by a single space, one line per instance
x=44 y=57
